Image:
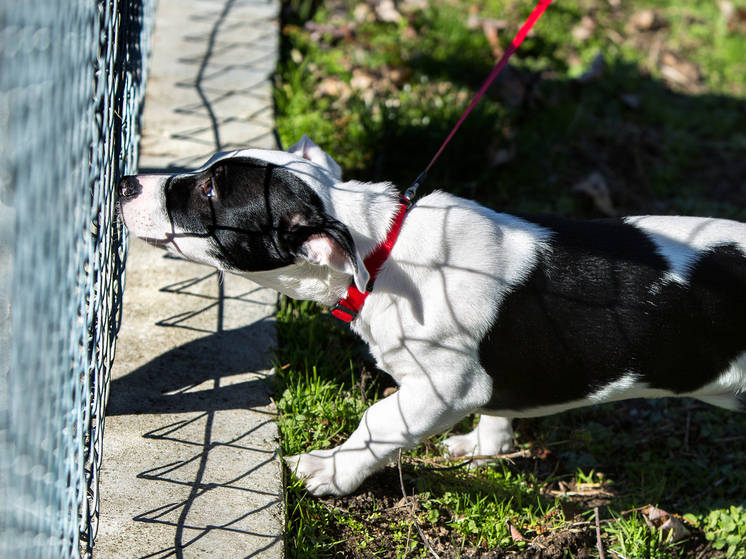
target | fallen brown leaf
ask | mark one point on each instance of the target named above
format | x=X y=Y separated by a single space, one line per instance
x=491 y=29
x=672 y=528
x=594 y=185
x=646 y=20
x=386 y=11
x=514 y=533
x=680 y=72
x=333 y=87
x=585 y=29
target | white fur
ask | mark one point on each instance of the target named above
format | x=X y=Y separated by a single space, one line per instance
x=682 y=240
x=146 y=214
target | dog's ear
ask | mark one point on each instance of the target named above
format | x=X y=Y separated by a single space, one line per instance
x=327 y=249
x=308 y=150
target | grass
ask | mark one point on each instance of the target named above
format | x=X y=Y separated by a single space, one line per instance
x=662 y=124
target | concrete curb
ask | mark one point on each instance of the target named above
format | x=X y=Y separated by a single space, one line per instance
x=190 y=467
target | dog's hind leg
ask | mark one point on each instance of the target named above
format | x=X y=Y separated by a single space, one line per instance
x=492 y=435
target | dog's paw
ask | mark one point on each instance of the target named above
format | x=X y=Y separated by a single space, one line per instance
x=476 y=443
x=322 y=473
x=462 y=445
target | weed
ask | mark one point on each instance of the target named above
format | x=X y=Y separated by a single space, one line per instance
x=632 y=538
x=726 y=528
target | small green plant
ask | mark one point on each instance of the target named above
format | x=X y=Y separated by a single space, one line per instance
x=632 y=538
x=725 y=528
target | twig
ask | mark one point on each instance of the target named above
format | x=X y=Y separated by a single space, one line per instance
x=688 y=422
x=583 y=524
x=633 y=510
x=527 y=453
x=729 y=439
x=469 y=459
x=596 y=493
x=705 y=550
x=406 y=545
x=599 y=545
x=363 y=378
x=411 y=512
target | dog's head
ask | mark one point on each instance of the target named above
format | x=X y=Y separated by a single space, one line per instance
x=260 y=213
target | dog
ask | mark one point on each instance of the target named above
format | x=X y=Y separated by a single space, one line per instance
x=471 y=310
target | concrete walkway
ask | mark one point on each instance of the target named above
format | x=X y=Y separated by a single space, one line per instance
x=189 y=466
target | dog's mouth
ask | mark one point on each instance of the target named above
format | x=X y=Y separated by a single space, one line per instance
x=163 y=242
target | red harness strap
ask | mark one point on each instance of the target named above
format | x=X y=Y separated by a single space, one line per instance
x=348 y=307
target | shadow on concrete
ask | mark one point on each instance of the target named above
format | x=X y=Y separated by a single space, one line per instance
x=177 y=514
x=197 y=377
x=205 y=409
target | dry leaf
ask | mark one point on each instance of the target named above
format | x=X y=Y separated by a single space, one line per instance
x=727 y=9
x=363 y=13
x=585 y=30
x=595 y=186
x=646 y=20
x=386 y=11
x=410 y=6
x=671 y=527
x=361 y=79
x=681 y=72
x=491 y=28
x=333 y=87
x=514 y=533
x=735 y=17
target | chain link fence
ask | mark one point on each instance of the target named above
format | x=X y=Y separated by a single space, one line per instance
x=72 y=77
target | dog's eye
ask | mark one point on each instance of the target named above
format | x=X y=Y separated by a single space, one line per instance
x=207 y=188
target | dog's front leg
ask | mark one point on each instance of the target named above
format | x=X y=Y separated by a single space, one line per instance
x=416 y=411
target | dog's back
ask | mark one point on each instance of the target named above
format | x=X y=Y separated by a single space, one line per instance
x=646 y=306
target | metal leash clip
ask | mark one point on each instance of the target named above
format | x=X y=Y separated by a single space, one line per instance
x=411 y=192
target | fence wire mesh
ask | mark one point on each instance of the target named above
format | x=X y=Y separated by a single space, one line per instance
x=72 y=77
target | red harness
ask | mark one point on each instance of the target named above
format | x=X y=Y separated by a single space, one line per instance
x=348 y=307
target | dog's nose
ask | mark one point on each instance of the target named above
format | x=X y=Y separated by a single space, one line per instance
x=129 y=187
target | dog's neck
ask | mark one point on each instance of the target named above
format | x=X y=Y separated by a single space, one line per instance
x=368 y=210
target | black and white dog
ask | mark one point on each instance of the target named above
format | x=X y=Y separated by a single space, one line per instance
x=472 y=310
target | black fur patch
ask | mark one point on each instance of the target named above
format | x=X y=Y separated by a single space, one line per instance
x=588 y=315
x=258 y=218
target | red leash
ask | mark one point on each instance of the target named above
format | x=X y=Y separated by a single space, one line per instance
x=522 y=32
x=347 y=309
